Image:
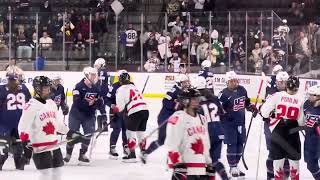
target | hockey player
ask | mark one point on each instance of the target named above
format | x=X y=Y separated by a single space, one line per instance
x=212 y=110
x=130 y=101
x=117 y=121
x=285 y=109
x=86 y=99
x=188 y=145
x=205 y=65
x=13 y=97
x=280 y=85
x=39 y=123
x=169 y=106
x=312 y=122
x=272 y=82
x=58 y=95
x=103 y=85
x=234 y=100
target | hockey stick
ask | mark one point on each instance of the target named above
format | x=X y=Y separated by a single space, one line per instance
x=64 y=116
x=259 y=149
x=250 y=124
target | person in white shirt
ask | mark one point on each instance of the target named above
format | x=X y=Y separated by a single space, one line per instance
x=188 y=141
x=45 y=41
x=40 y=124
x=175 y=63
x=131 y=39
x=130 y=101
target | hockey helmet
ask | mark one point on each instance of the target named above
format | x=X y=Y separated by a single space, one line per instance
x=99 y=63
x=184 y=97
x=200 y=83
x=122 y=71
x=293 y=83
x=39 y=82
x=282 y=76
x=231 y=75
x=314 y=90
x=182 y=81
x=206 y=64
x=56 y=79
x=277 y=68
x=90 y=74
x=124 y=78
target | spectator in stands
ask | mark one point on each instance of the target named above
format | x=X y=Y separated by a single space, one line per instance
x=79 y=42
x=175 y=63
x=228 y=41
x=185 y=43
x=173 y=10
x=83 y=27
x=68 y=29
x=303 y=53
x=122 y=43
x=202 y=51
x=3 y=44
x=45 y=13
x=23 y=47
x=34 y=42
x=21 y=30
x=256 y=53
x=153 y=62
x=185 y=7
x=198 y=6
x=95 y=45
x=151 y=45
x=217 y=53
x=45 y=41
x=177 y=43
x=56 y=25
x=131 y=40
x=176 y=26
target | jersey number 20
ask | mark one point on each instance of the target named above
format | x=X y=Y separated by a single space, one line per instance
x=15 y=101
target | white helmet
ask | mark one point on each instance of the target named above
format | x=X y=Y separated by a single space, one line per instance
x=282 y=76
x=277 y=68
x=206 y=64
x=88 y=71
x=181 y=77
x=231 y=75
x=100 y=62
x=314 y=90
x=284 y=21
x=55 y=76
x=122 y=71
x=200 y=83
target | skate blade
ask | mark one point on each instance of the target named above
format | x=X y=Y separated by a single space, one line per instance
x=83 y=163
x=113 y=157
x=129 y=160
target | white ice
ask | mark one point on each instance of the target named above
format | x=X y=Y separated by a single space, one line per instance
x=103 y=168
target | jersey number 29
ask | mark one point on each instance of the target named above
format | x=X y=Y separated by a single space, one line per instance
x=291 y=113
x=15 y=102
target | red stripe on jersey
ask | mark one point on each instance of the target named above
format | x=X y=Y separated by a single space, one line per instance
x=273 y=122
x=136 y=105
x=45 y=144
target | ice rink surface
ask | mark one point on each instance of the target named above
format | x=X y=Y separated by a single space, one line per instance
x=103 y=168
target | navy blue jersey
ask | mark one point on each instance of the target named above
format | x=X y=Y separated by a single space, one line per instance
x=279 y=42
x=103 y=82
x=271 y=87
x=81 y=105
x=312 y=117
x=111 y=95
x=11 y=105
x=58 y=95
x=168 y=103
x=208 y=76
x=234 y=103
x=212 y=110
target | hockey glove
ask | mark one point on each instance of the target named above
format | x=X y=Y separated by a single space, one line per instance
x=102 y=122
x=114 y=108
x=65 y=109
x=210 y=172
x=252 y=108
x=75 y=137
x=179 y=171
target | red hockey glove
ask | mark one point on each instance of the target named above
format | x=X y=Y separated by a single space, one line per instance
x=114 y=108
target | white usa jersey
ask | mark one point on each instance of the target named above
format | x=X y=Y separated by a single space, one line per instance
x=188 y=142
x=40 y=123
x=128 y=97
x=131 y=37
x=286 y=106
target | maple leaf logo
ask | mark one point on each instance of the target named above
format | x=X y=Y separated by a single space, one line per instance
x=173 y=120
x=294 y=174
x=174 y=157
x=197 y=146
x=279 y=174
x=48 y=128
